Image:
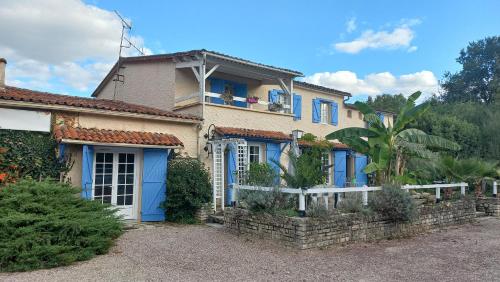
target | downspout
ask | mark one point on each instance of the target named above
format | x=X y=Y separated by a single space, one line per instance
x=202 y=98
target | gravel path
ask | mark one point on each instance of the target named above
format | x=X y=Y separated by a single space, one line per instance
x=202 y=253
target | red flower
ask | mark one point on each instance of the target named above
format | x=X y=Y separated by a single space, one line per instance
x=3 y=176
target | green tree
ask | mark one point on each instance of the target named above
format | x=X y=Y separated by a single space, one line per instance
x=479 y=79
x=388 y=102
x=390 y=147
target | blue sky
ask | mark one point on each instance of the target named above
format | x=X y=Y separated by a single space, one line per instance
x=365 y=47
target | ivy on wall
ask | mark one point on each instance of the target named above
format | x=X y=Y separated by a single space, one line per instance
x=33 y=154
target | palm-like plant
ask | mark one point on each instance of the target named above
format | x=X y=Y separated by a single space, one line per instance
x=473 y=171
x=390 y=147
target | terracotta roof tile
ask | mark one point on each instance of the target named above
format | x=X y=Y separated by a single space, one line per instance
x=26 y=95
x=321 y=88
x=253 y=133
x=335 y=145
x=115 y=136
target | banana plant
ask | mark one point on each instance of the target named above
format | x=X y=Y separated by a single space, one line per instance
x=389 y=147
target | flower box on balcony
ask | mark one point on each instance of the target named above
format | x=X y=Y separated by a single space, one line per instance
x=252 y=100
x=275 y=107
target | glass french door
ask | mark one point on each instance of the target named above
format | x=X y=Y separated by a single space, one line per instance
x=115 y=177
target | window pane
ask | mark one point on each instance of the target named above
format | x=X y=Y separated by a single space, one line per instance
x=121 y=168
x=120 y=200
x=130 y=178
x=99 y=179
x=98 y=168
x=128 y=200
x=107 y=190
x=108 y=179
x=109 y=157
x=130 y=158
x=121 y=178
x=106 y=199
x=99 y=157
x=121 y=190
x=130 y=189
x=108 y=168
x=130 y=168
x=122 y=158
x=97 y=191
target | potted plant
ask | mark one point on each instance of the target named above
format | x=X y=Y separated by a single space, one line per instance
x=253 y=100
x=228 y=98
x=275 y=107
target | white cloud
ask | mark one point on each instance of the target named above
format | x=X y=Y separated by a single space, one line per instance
x=48 y=40
x=378 y=83
x=351 y=25
x=400 y=36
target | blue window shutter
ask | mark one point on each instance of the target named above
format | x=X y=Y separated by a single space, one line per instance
x=340 y=168
x=273 y=153
x=360 y=164
x=240 y=90
x=381 y=117
x=217 y=86
x=297 y=106
x=231 y=172
x=154 y=184
x=87 y=171
x=273 y=96
x=316 y=110
x=334 y=107
x=62 y=149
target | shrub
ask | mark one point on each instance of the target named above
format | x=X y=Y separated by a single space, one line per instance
x=271 y=202
x=44 y=224
x=394 y=203
x=317 y=210
x=188 y=189
x=261 y=174
x=353 y=203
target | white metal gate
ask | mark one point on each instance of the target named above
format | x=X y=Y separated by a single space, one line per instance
x=218 y=174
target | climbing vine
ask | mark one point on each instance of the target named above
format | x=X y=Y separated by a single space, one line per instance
x=29 y=154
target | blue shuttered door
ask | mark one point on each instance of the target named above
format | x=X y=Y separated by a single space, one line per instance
x=240 y=90
x=231 y=172
x=340 y=168
x=217 y=86
x=334 y=114
x=154 y=184
x=360 y=164
x=87 y=171
x=273 y=152
x=297 y=107
x=316 y=110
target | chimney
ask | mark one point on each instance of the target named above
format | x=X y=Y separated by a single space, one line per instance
x=3 y=63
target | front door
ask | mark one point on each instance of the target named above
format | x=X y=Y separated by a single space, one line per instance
x=115 y=181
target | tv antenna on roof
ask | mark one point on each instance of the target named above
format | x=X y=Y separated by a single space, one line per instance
x=126 y=28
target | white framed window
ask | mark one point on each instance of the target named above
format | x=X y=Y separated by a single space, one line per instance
x=325 y=113
x=325 y=165
x=254 y=153
x=284 y=100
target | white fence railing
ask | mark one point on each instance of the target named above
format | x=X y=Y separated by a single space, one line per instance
x=325 y=191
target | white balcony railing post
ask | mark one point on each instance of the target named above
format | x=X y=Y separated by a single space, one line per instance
x=365 y=196
x=302 y=204
x=438 y=194
x=463 y=186
x=495 y=187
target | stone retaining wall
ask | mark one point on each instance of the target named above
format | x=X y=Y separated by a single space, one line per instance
x=488 y=205
x=306 y=233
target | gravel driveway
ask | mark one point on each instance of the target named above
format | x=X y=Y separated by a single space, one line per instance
x=202 y=253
